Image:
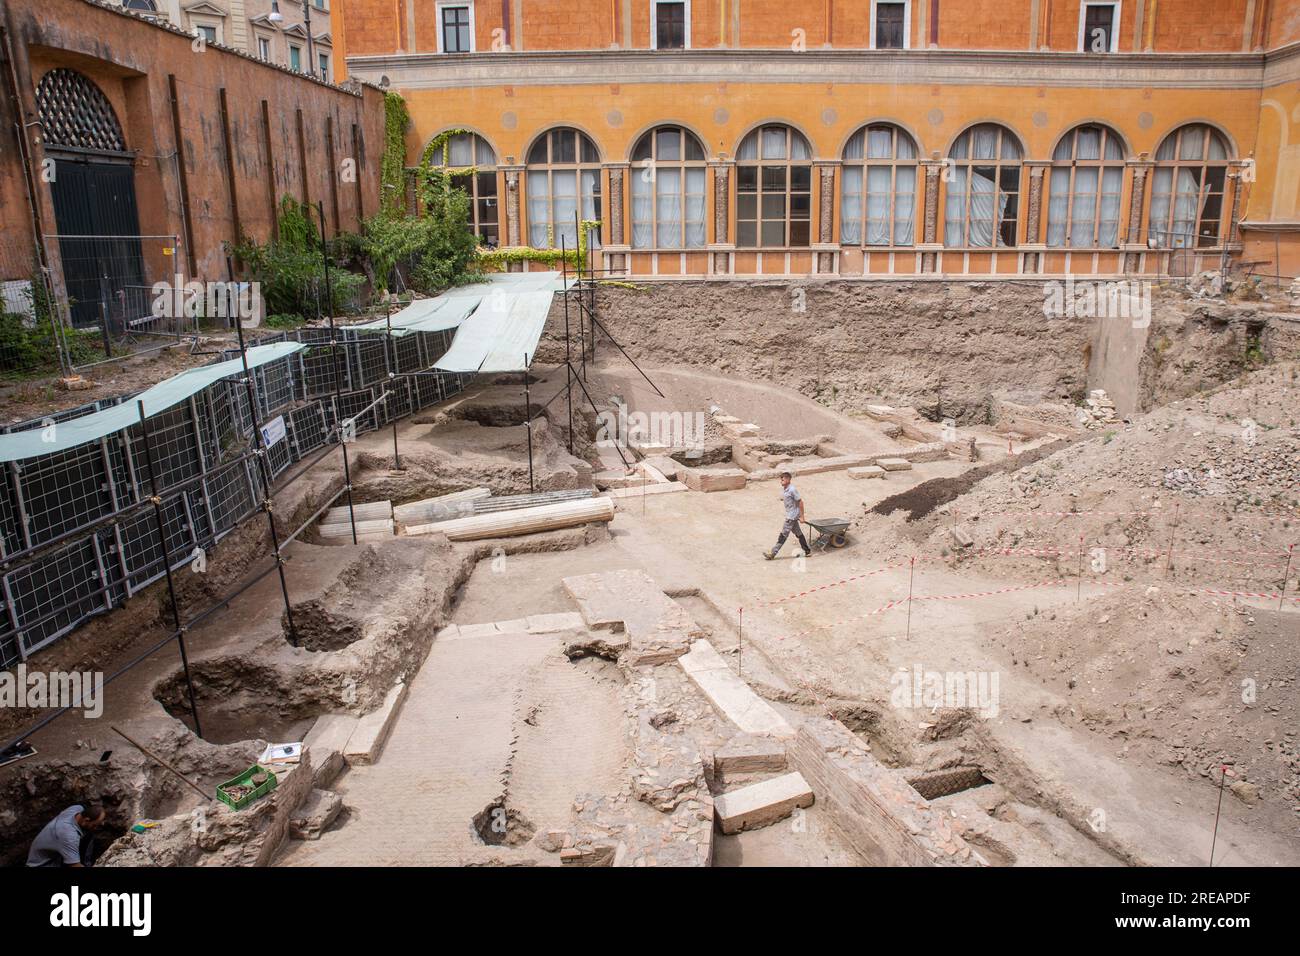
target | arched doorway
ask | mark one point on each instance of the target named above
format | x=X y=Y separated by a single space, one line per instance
x=93 y=192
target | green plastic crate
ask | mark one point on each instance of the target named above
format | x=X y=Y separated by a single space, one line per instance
x=246 y=779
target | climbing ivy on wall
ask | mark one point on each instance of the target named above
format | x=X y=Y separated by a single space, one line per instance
x=392 y=169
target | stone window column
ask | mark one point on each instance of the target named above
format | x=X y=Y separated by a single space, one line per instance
x=513 y=226
x=824 y=245
x=722 y=247
x=615 y=249
x=930 y=246
x=1033 y=246
x=1239 y=174
x=1134 y=245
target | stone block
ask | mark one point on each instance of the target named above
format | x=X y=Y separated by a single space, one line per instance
x=761 y=804
x=719 y=479
x=314 y=816
x=750 y=753
x=894 y=464
x=326 y=742
x=867 y=471
x=367 y=741
x=730 y=695
x=554 y=623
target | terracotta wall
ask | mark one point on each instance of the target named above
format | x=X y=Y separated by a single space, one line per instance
x=131 y=61
x=373 y=27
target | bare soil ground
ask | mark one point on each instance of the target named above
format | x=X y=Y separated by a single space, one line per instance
x=1120 y=693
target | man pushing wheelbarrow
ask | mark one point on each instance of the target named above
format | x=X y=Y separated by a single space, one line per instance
x=793 y=505
x=831 y=532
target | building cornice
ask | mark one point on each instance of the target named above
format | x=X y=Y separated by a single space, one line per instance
x=849 y=67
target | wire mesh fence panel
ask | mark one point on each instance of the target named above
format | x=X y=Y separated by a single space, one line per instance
x=369 y=357
x=140 y=538
x=274 y=386
x=129 y=291
x=351 y=405
x=279 y=457
x=310 y=428
x=229 y=494
x=62 y=491
x=51 y=596
x=173 y=447
x=318 y=370
x=406 y=353
x=42 y=499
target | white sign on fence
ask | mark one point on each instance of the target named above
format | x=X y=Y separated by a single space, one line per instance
x=273 y=432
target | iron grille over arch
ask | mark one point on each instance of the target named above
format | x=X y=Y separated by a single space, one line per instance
x=76 y=114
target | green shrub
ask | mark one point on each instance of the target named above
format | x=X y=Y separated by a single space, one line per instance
x=291 y=269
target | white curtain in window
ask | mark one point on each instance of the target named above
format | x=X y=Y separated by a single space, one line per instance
x=590 y=205
x=642 y=209
x=695 y=234
x=1160 y=190
x=1058 y=206
x=1112 y=183
x=668 y=211
x=460 y=151
x=878 y=222
x=853 y=149
x=985 y=143
x=954 y=208
x=1186 y=196
x=1083 y=211
x=774 y=143
x=880 y=144
x=851 y=204
x=564 y=203
x=539 y=209
x=904 y=204
x=983 y=217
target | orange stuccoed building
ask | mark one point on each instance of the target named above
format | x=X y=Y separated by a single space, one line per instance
x=858 y=137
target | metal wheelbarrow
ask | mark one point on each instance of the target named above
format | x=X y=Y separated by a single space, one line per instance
x=831 y=533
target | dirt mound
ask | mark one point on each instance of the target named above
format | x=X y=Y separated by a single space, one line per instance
x=1215 y=478
x=1177 y=681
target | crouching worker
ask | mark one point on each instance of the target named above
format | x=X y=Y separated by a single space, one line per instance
x=793 y=504
x=69 y=839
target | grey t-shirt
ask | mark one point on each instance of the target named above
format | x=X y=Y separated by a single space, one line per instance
x=790 y=498
x=60 y=842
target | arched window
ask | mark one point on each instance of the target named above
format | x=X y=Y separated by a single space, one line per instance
x=472 y=165
x=983 y=188
x=76 y=113
x=1187 y=188
x=1083 y=198
x=668 y=190
x=773 y=189
x=878 y=188
x=563 y=180
x=144 y=6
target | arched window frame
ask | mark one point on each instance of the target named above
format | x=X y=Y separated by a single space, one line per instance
x=470 y=162
x=1080 y=215
x=963 y=200
x=766 y=177
x=898 y=174
x=1198 y=182
x=549 y=163
x=669 y=190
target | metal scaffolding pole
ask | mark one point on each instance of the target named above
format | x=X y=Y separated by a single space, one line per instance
x=167 y=565
x=334 y=356
x=263 y=470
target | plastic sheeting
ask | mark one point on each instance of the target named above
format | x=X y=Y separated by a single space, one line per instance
x=501 y=335
x=451 y=308
x=88 y=428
